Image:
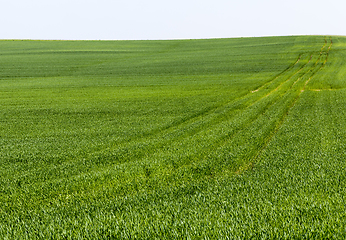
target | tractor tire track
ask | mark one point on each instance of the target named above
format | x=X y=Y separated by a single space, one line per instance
x=137 y=150
x=162 y=141
x=222 y=141
x=186 y=123
x=210 y=109
x=278 y=126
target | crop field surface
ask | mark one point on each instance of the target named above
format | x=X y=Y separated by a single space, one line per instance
x=179 y=139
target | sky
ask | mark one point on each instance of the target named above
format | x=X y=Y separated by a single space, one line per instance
x=160 y=19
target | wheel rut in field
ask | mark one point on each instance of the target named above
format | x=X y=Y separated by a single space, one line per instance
x=290 y=93
x=322 y=62
x=273 y=101
x=198 y=123
x=201 y=114
x=254 y=152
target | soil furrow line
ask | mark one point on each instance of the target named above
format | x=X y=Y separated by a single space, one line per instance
x=195 y=117
x=213 y=108
x=159 y=144
x=279 y=75
x=274 y=90
x=222 y=141
x=324 y=63
x=278 y=126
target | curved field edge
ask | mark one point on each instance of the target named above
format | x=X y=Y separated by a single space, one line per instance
x=185 y=178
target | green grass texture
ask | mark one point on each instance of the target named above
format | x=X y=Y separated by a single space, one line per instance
x=239 y=138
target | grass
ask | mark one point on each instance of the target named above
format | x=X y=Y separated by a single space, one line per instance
x=222 y=138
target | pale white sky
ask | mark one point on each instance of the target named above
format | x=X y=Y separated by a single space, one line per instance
x=159 y=19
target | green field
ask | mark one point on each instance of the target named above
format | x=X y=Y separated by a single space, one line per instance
x=186 y=139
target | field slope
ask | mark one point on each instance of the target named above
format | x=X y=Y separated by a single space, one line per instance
x=221 y=138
